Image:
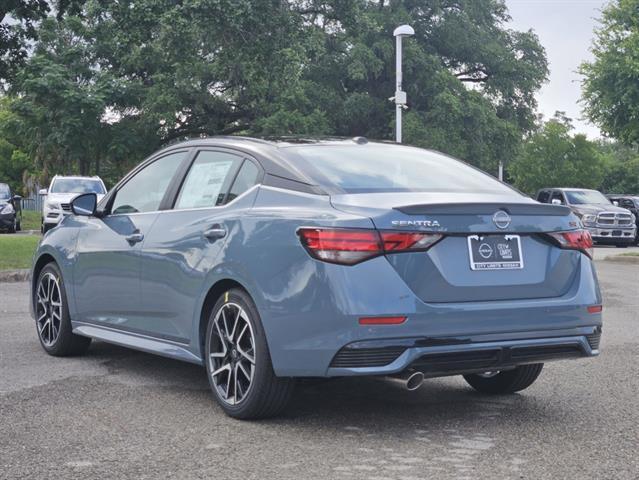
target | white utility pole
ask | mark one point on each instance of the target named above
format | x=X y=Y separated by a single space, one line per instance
x=400 y=96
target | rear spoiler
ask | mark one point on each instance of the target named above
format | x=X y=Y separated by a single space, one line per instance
x=486 y=209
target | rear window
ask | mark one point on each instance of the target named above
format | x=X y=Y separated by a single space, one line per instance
x=390 y=168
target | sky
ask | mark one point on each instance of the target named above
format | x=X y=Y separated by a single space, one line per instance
x=565 y=29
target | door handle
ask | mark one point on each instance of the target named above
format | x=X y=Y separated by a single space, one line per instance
x=134 y=238
x=215 y=232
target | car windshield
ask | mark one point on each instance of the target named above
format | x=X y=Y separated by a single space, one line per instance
x=77 y=185
x=391 y=168
x=5 y=193
x=580 y=197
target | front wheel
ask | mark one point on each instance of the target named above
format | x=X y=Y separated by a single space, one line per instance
x=52 y=315
x=238 y=363
x=509 y=381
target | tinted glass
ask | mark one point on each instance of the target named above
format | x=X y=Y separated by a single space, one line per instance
x=207 y=181
x=5 y=193
x=390 y=168
x=246 y=178
x=579 y=197
x=558 y=196
x=543 y=197
x=77 y=185
x=144 y=192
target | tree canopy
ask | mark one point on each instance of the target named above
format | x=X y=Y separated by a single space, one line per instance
x=109 y=82
x=555 y=157
x=611 y=80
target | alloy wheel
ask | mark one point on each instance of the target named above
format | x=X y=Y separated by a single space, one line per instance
x=232 y=353
x=48 y=309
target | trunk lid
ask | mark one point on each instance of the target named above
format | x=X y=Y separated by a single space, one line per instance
x=444 y=273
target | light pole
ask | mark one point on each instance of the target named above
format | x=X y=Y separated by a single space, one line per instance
x=400 y=96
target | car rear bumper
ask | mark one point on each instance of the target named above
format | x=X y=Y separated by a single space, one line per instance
x=452 y=356
x=308 y=328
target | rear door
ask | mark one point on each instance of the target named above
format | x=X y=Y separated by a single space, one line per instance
x=183 y=244
x=107 y=268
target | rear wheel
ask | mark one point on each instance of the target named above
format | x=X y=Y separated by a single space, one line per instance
x=238 y=363
x=509 y=381
x=52 y=315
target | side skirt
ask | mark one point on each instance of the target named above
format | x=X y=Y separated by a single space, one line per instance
x=143 y=343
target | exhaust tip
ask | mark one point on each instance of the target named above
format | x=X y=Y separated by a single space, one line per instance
x=414 y=381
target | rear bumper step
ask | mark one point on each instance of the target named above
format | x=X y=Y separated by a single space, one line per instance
x=459 y=356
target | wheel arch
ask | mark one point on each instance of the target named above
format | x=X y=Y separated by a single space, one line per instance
x=214 y=292
x=39 y=264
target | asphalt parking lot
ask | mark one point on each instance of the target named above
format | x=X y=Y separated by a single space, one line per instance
x=116 y=413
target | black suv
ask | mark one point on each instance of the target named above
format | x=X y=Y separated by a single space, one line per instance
x=607 y=223
x=10 y=209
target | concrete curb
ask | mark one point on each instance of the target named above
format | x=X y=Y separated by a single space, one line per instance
x=15 y=275
x=622 y=259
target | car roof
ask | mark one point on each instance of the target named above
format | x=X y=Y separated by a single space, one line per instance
x=271 y=152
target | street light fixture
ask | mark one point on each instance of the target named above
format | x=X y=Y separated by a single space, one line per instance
x=400 y=96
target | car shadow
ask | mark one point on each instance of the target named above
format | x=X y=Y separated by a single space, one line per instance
x=370 y=404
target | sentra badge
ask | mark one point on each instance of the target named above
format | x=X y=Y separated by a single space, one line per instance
x=415 y=223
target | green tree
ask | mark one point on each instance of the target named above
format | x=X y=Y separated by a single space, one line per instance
x=18 y=27
x=119 y=79
x=611 y=80
x=621 y=168
x=554 y=157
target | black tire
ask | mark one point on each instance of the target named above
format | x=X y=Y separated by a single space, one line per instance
x=509 y=381
x=65 y=343
x=266 y=394
x=12 y=228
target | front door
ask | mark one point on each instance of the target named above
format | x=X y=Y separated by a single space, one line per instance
x=107 y=267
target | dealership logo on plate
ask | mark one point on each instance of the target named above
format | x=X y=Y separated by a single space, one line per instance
x=501 y=219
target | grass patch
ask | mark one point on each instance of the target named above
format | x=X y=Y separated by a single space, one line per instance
x=629 y=254
x=30 y=220
x=16 y=251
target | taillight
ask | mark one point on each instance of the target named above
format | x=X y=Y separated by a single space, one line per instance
x=574 y=240
x=350 y=246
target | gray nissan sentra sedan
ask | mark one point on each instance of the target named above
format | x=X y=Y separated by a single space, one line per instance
x=265 y=261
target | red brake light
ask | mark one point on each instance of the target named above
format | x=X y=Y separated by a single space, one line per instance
x=351 y=246
x=381 y=320
x=595 y=308
x=575 y=240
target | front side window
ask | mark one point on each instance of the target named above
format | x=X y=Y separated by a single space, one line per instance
x=543 y=196
x=208 y=180
x=558 y=196
x=77 y=185
x=144 y=191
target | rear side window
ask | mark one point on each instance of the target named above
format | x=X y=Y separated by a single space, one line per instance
x=246 y=178
x=390 y=168
x=208 y=180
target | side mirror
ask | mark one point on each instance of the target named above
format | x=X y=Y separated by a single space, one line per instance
x=43 y=191
x=615 y=203
x=84 y=205
x=556 y=201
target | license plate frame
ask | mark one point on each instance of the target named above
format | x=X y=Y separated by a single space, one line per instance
x=492 y=252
